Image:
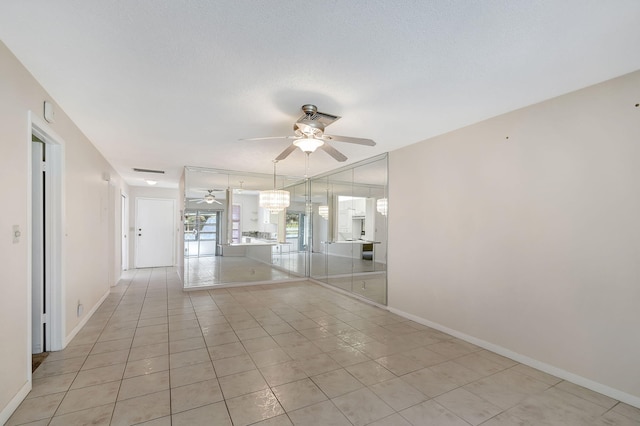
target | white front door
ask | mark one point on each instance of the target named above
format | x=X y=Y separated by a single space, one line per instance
x=155 y=232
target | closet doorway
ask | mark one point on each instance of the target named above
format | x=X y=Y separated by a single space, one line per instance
x=45 y=242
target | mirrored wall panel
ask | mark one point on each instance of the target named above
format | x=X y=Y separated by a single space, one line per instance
x=349 y=241
x=334 y=229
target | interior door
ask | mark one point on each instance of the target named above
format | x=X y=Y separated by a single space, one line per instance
x=155 y=232
x=37 y=249
x=124 y=221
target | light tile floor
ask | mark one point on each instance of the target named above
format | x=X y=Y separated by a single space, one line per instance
x=286 y=354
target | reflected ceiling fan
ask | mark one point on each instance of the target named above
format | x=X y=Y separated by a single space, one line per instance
x=309 y=135
x=209 y=198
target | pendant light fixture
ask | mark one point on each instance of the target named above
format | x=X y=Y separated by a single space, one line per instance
x=274 y=200
x=382 y=206
x=323 y=211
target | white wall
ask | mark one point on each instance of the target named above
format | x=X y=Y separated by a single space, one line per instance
x=530 y=243
x=90 y=253
x=249 y=212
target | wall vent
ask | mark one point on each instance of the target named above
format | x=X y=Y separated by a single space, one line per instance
x=148 y=171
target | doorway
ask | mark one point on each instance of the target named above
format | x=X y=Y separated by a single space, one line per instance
x=45 y=245
x=124 y=231
x=201 y=233
x=39 y=285
x=295 y=230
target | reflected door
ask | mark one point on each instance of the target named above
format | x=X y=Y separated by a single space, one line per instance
x=201 y=233
x=295 y=231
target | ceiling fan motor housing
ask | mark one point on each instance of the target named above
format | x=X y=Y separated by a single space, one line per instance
x=309 y=127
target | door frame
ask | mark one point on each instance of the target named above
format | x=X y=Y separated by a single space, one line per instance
x=54 y=241
x=124 y=231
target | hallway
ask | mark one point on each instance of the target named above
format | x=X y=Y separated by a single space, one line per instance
x=283 y=354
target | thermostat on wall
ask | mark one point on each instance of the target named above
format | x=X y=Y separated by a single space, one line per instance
x=49 y=113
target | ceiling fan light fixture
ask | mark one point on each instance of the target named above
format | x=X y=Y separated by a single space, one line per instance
x=209 y=198
x=309 y=127
x=308 y=145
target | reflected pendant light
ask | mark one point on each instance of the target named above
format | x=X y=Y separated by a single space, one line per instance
x=323 y=211
x=382 y=206
x=274 y=200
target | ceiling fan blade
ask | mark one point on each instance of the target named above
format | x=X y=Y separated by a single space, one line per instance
x=359 y=141
x=284 y=154
x=333 y=152
x=268 y=138
x=216 y=201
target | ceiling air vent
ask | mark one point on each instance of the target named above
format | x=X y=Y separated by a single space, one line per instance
x=148 y=171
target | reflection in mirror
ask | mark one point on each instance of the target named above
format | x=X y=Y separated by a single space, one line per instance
x=228 y=237
x=334 y=230
x=292 y=254
x=349 y=246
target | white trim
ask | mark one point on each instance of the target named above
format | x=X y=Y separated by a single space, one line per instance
x=243 y=284
x=124 y=231
x=523 y=359
x=86 y=318
x=15 y=402
x=22 y=393
x=348 y=293
x=55 y=149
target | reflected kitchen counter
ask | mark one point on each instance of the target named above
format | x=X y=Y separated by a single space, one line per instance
x=249 y=246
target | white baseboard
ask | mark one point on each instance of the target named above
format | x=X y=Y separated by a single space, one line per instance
x=523 y=359
x=84 y=320
x=243 y=284
x=15 y=403
x=348 y=293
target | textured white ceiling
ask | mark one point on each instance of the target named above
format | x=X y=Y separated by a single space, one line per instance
x=164 y=84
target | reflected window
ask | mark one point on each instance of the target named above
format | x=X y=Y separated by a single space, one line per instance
x=235 y=223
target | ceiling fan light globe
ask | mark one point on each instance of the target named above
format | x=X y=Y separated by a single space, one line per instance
x=308 y=144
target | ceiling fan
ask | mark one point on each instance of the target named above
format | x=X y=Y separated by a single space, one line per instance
x=309 y=135
x=209 y=198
